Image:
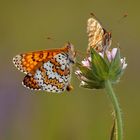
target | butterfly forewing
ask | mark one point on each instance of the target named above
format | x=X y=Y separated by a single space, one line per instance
x=29 y=62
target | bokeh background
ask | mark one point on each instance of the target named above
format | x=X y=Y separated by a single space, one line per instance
x=81 y=114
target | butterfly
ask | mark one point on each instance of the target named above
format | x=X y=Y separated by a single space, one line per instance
x=98 y=37
x=48 y=70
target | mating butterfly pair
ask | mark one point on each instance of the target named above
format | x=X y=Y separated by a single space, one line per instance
x=50 y=70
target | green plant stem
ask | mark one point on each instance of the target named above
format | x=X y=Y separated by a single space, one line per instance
x=118 y=117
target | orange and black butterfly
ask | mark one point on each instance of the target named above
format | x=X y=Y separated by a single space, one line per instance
x=48 y=70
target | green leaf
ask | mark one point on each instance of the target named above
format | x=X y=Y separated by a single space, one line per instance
x=99 y=65
x=86 y=72
x=115 y=67
x=93 y=85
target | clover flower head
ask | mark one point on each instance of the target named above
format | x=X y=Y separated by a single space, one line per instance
x=86 y=62
x=111 y=56
x=99 y=67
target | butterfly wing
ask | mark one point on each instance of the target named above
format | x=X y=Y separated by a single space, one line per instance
x=30 y=82
x=98 y=37
x=47 y=70
x=29 y=62
x=51 y=76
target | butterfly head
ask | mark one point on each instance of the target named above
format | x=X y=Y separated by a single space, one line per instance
x=71 y=52
x=109 y=36
x=108 y=39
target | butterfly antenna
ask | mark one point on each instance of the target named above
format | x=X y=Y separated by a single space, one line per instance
x=94 y=16
x=123 y=17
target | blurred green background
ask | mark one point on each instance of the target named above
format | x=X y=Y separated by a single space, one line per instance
x=81 y=114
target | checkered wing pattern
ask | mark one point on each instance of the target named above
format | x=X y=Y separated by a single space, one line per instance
x=29 y=62
x=48 y=70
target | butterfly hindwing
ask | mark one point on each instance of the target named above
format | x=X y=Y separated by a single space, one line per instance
x=30 y=82
x=99 y=38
